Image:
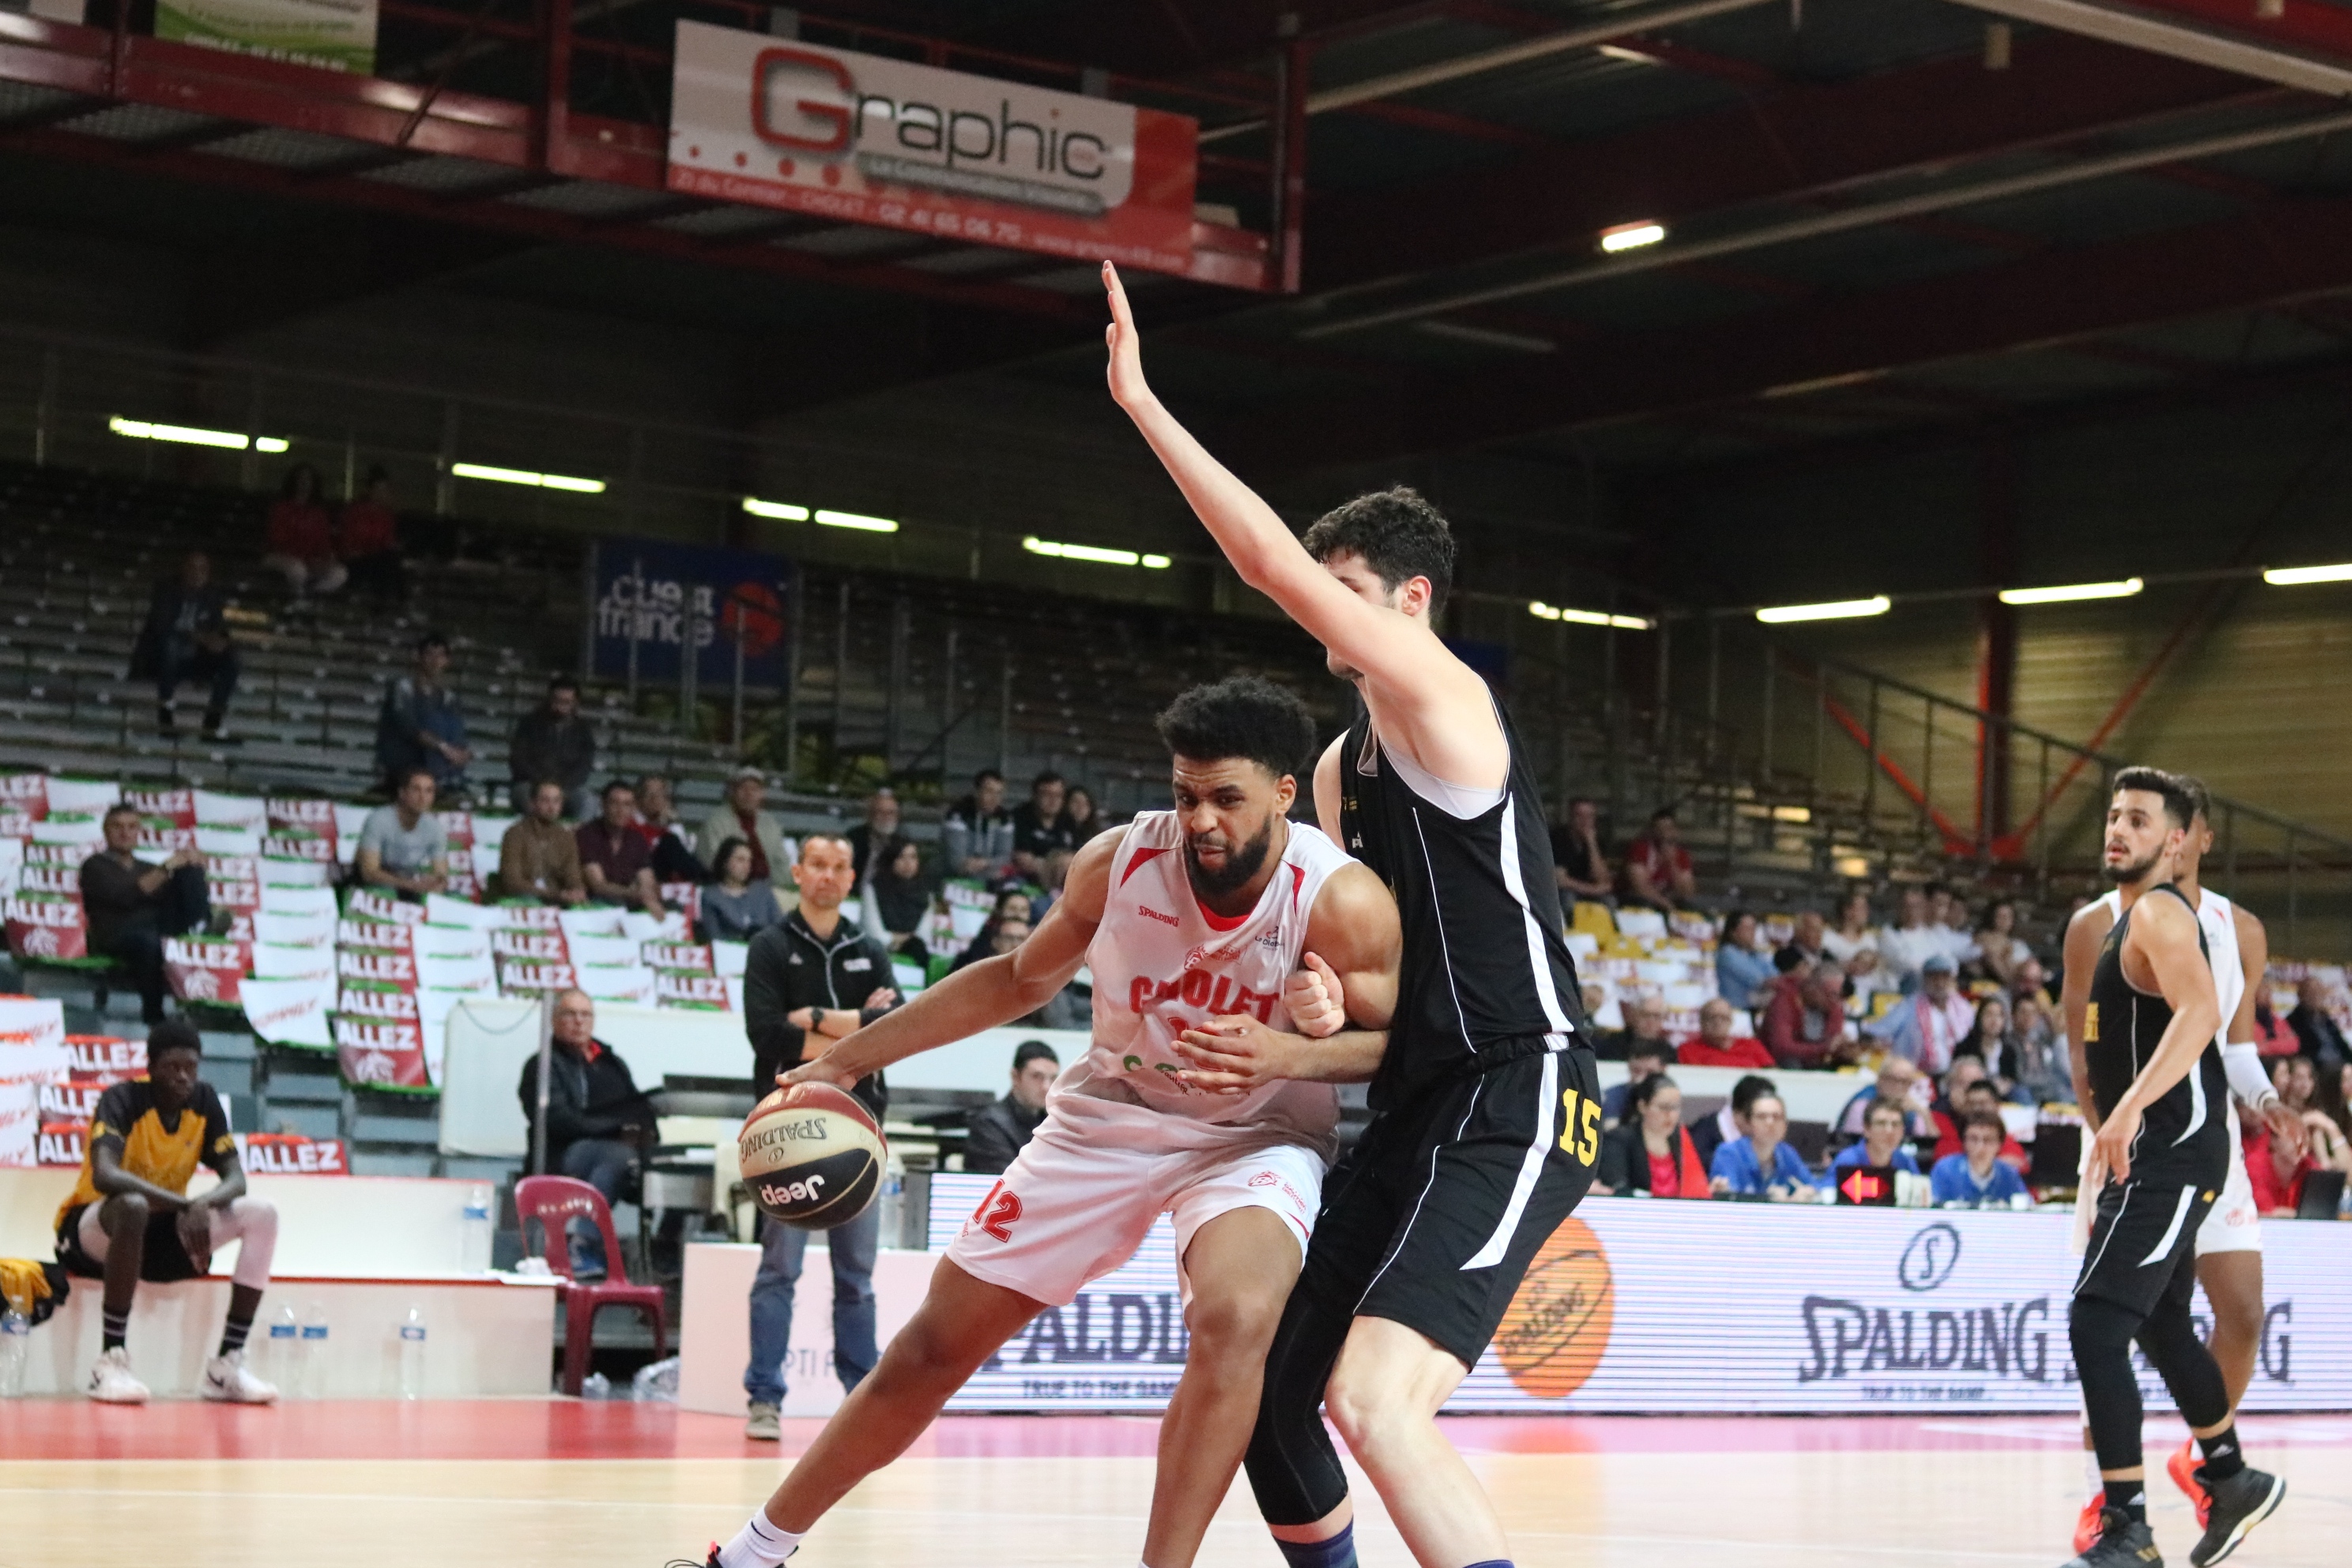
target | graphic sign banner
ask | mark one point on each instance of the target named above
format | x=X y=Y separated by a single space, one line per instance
x=661 y=594
x=334 y=35
x=865 y=139
x=1630 y=1307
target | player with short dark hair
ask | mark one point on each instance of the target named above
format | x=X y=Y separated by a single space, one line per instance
x=2156 y=1091
x=1486 y=1124
x=130 y=1218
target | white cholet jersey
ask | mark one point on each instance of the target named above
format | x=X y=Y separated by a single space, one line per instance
x=1162 y=965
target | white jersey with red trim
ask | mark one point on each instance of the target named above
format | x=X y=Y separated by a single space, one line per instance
x=1162 y=965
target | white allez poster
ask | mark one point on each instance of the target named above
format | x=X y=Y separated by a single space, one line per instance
x=33 y=1052
x=291 y=1012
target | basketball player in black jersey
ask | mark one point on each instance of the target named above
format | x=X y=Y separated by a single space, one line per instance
x=2162 y=1149
x=1487 y=1109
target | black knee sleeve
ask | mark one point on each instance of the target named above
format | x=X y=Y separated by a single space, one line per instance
x=2101 y=1333
x=2186 y=1366
x=1293 y=1467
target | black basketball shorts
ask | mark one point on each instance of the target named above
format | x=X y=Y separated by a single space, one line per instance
x=2143 y=1243
x=1434 y=1215
x=163 y=1261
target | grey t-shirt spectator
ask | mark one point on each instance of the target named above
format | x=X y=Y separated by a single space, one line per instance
x=404 y=851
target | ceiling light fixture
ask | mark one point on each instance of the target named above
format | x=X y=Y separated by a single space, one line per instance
x=1093 y=552
x=2071 y=591
x=193 y=436
x=827 y=517
x=1632 y=236
x=525 y=477
x=2296 y=576
x=781 y=512
x=1542 y=611
x=1837 y=610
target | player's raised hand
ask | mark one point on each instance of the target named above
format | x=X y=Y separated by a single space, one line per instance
x=1233 y=1055
x=1316 y=1001
x=1128 y=387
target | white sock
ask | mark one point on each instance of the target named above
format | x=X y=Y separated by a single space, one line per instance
x=757 y=1544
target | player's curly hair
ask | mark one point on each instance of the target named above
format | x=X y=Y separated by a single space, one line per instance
x=1397 y=532
x=1241 y=716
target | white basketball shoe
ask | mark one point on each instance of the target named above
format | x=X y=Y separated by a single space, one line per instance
x=111 y=1382
x=227 y=1379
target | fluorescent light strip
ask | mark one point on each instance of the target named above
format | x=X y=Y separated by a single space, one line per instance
x=193 y=436
x=525 y=477
x=831 y=518
x=1838 y=610
x=2296 y=576
x=782 y=512
x=2071 y=591
x=1542 y=611
x=1631 y=236
x=1093 y=552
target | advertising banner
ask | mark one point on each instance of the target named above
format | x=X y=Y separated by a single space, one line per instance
x=46 y=926
x=647 y=588
x=1697 y=1308
x=864 y=139
x=382 y=1053
x=334 y=35
x=291 y=1154
x=33 y=1053
x=291 y=1011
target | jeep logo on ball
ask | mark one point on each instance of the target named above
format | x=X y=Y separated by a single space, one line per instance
x=806 y=1190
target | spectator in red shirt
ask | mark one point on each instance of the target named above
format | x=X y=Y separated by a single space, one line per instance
x=1650 y=1154
x=300 y=543
x=614 y=861
x=1658 y=868
x=369 y=536
x=2275 y=1169
x=1805 y=1024
x=1714 y=1046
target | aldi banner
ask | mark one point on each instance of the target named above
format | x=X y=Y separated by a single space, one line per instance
x=645 y=589
x=334 y=35
x=1630 y=1307
x=865 y=139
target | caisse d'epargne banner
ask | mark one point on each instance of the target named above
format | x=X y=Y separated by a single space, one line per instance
x=1666 y=1308
x=865 y=139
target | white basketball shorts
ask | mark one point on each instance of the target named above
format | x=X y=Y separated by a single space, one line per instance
x=2233 y=1224
x=1086 y=1188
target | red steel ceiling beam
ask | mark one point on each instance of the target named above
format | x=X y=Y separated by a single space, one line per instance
x=2288 y=251
x=1799 y=138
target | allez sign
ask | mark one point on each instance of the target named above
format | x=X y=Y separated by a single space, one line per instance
x=865 y=139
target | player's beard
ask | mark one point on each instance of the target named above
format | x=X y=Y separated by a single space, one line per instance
x=1243 y=861
x=2120 y=875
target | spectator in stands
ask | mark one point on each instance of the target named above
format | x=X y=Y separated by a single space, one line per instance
x=402 y=846
x=1731 y=1121
x=1975 y=1093
x=1658 y=868
x=1808 y=937
x=1805 y=1023
x=1645 y=1019
x=736 y=907
x=1011 y=904
x=1993 y=1038
x=1065 y=1009
x=1898 y=1084
x=880 y=826
x=743 y=815
x=369 y=537
x=1884 y=1142
x=130 y=1218
x=979 y=830
x=1650 y=1152
x=2275 y=1167
x=132 y=905
x=808 y=981
x=1904 y=946
x=1644 y=1058
x=1852 y=943
x=997 y=1131
x=1577 y=863
x=1743 y=970
x=185 y=638
x=1080 y=819
x=614 y=863
x=539 y=857
x=2297 y=1080
x=2029 y=980
x=666 y=837
x=419 y=726
x=1976 y=1177
x=553 y=741
x=599 y=1123
x=1928 y=1025
x=1714 y=1046
x=902 y=897
x=1041 y=845
x=1995 y=950
x=300 y=543
x=2041 y=1067
x=2271 y=1035
x=2315 y=1026
x=1759 y=1164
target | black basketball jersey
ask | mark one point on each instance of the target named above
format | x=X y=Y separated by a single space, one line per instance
x=1486 y=976
x=2186 y=1131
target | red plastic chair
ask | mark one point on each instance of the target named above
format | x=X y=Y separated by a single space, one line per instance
x=553 y=1201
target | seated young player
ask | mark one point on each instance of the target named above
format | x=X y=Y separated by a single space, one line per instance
x=130 y=1216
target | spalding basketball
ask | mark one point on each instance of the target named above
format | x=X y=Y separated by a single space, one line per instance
x=812 y=1156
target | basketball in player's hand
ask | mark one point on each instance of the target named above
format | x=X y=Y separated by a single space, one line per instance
x=812 y=1156
x=1314 y=1000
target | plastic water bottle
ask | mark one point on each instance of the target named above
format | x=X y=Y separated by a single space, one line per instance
x=15 y=1350
x=474 y=1249
x=412 y=1354
x=285 y=1351
x=313 y=1354
x=894 y=1202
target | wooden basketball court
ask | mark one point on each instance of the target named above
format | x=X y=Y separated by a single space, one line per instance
x=530 y=1481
